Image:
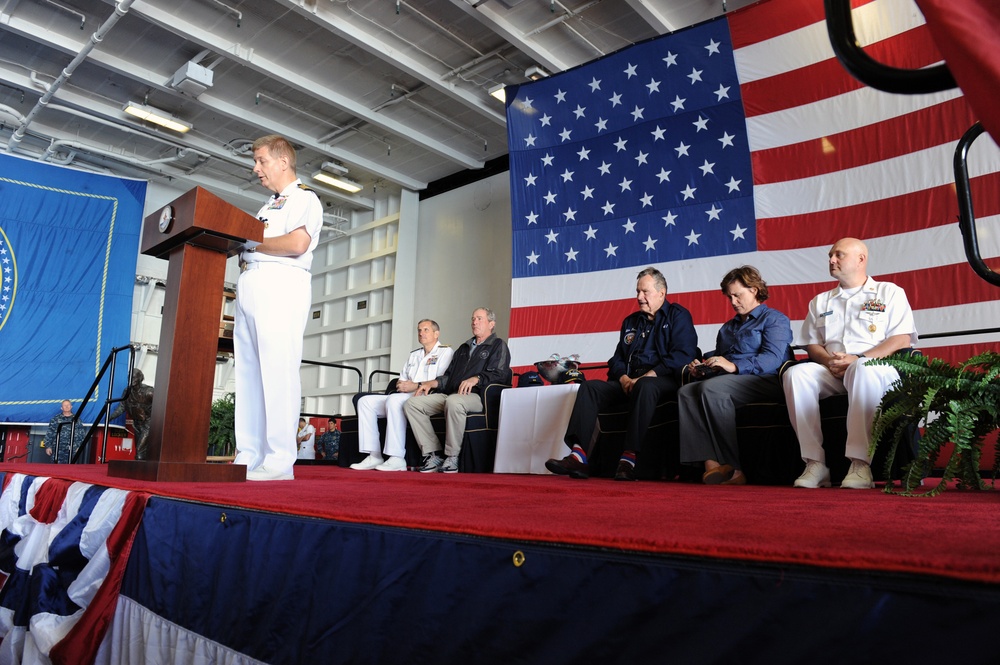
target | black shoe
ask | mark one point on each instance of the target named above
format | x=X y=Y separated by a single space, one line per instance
x=625 y=471
x=568 y=466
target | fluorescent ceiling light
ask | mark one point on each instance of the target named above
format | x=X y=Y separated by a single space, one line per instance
x=535 y=72
x=339 y=182
x=498 y=92
x=157 y=117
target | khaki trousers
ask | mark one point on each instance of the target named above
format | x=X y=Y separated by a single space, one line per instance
x=455 y=408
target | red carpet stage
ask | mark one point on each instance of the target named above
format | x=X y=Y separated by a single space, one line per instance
x=349 y=566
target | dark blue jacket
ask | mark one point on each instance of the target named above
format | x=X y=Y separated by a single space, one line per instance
x=664 y=345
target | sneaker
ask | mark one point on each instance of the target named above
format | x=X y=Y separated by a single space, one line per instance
x=450 y=464
x=367 y=463
x=431 y=464
x=815 y=475
x=859 y=477
x=392 y=464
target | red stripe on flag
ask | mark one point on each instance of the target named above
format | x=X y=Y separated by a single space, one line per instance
x=912 y=49
x=959 y=353
x=49 y=499
x=944 y=286
x=84 y=639
x=926 y=128
x=571 y=319
x=767 y=20
x=925 y=209
x=930 y=288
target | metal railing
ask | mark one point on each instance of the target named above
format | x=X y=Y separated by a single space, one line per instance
x=966 y=215
x=840 y=27
x=361 y=377
x=871 y=72
x=110 y=364
x=371 y=376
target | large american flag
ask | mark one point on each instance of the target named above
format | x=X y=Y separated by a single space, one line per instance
x=741 y=141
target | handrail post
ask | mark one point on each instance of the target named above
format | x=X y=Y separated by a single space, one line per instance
x=869 y=71
x=966 y=215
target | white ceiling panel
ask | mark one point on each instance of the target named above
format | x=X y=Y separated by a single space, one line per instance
x=396 y=92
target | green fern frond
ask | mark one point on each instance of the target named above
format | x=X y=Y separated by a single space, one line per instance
x=959 y=405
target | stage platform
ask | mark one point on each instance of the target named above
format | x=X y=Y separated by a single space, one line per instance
x=342 y=566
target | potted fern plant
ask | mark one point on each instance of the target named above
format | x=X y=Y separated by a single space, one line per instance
x=222 y=428
x=957 y=404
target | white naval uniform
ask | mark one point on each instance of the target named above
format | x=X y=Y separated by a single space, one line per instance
x=420 y=367
x=273 y=297
x=851 y=324
x=307 y=449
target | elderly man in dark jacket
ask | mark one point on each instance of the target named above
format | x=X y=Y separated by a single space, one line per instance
x=481 y=360
x=655 y=343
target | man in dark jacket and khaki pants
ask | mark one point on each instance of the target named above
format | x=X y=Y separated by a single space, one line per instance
x=483 y=359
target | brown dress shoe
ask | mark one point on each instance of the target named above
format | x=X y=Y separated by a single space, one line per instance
x=736 y=480
x=568 y=466
x=625 y=471
x=719 y=474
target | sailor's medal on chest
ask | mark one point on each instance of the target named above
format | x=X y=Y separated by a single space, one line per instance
x=873 y=311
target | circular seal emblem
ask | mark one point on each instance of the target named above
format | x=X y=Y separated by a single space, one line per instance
x=166 y=217
x=8 y=278
x=629 y=338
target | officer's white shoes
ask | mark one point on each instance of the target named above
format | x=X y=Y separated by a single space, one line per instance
x=859 y=477
x=368 y=463
x=816 y=475
x=263 y=473
x=392 y=464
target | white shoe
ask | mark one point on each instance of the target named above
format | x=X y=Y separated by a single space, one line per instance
x=367 y=463
x=815 y=475
x=262 y=473
x=450 y=464
x=392 y=464
x=859 y=477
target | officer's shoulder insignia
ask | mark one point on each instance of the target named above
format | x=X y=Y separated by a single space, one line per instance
x=307 y=188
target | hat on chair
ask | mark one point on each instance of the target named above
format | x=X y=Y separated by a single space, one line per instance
x=529 y=379
x=571 y=376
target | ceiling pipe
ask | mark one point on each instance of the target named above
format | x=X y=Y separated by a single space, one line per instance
x=33 y=77
x=68 y=10
x=73 y=145
x=120 y=10
x=565 y=17
x=408 y=96
x=12 y=112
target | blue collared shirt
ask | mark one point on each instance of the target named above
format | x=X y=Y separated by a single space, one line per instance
x=758 y=345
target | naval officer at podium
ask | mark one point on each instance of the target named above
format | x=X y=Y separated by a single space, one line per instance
x=273 y=297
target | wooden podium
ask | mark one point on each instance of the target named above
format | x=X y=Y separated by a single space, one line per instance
x=196 y=233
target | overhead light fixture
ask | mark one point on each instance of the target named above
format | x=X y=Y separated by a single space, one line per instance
x=157 y=117
x=535 y=72
x=339 y=182
x=498 y=92
x=335 y=168
x=192 y=78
